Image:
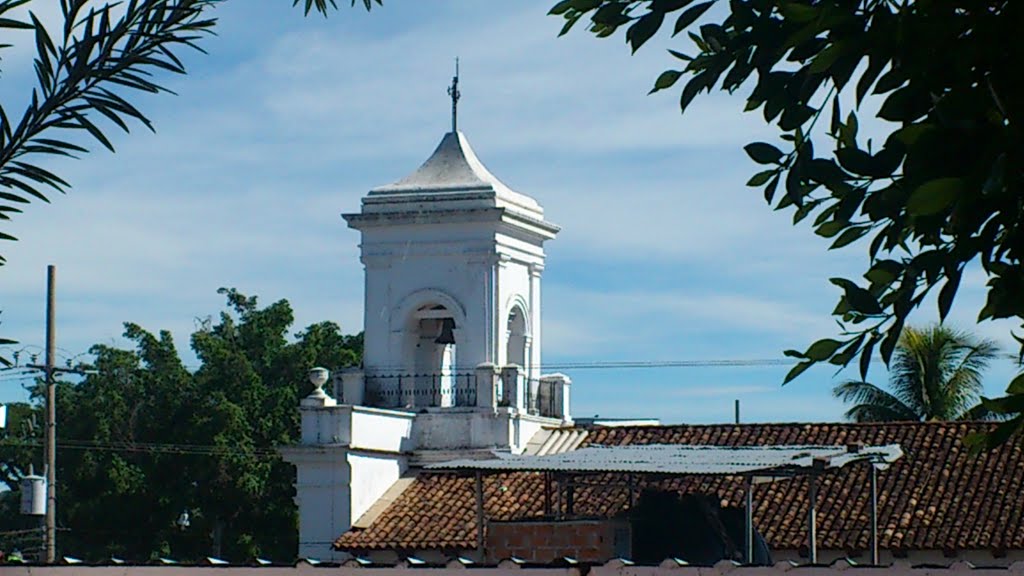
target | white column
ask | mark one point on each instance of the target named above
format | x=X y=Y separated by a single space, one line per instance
x=511 y=380
x=486 y=385
x=378 y=343
x=500 y=314
x=353 y=386
x=534 y=343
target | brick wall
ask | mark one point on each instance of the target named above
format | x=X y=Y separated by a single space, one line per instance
x=548 y=541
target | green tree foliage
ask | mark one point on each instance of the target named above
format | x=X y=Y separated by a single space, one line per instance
x=935 y=374
x=145 y=439
x=19 y=446
x=944 y=187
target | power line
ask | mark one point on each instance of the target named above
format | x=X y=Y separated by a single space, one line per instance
x=156 y=448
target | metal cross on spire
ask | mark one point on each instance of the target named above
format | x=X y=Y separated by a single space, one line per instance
x=453 y=91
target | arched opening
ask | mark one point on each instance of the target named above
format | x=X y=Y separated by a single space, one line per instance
x=517 y=352
x=515 y=348
x=434 y=358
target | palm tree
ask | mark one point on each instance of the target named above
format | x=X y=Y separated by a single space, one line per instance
x=935 y=374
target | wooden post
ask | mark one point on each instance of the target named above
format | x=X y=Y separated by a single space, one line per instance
x=749 y=523
x=874 y=515
x=812 y=517
x=479 y=489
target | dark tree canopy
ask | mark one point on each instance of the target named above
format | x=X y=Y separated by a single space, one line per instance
x=146 y=438
x=942 y=191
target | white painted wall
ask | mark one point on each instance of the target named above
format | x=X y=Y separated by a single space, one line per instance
x=336 y=480
x=326 y=424
x=371 y=476
x=475 y=429
x=381 y=430
x=323 y=498
x=453 y=429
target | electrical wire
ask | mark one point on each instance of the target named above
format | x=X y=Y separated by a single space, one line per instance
x=583 y=365
x=154 y=448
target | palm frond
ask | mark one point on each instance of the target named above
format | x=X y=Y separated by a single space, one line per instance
x=981 y=412
x=82 y=75
x=936 y=374
x=871 y=403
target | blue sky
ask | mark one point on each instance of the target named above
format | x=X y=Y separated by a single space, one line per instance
x=664 y=254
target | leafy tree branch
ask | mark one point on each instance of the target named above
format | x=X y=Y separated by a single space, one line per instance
x=942 y=191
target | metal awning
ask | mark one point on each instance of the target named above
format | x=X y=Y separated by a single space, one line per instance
x=755 y=463
x=677 y=459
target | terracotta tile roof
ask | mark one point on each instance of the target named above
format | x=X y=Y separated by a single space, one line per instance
x=938 y=497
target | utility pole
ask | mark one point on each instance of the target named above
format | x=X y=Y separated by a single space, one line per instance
x=50 y=371
x=51 y=416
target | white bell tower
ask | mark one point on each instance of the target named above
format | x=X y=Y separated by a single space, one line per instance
x=453 y=263
x=452 y=342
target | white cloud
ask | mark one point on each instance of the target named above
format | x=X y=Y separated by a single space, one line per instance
x=677 y=323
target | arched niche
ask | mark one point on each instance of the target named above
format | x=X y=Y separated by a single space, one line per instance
x=431 y=323
x=516 y=344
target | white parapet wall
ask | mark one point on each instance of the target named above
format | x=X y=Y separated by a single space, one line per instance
x=348 y=458
x=501 y=429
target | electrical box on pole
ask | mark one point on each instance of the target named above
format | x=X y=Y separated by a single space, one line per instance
x=33 y=495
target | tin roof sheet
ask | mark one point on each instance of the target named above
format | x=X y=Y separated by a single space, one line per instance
x=675 y=459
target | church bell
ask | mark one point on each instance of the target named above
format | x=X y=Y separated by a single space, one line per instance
x=446 y=336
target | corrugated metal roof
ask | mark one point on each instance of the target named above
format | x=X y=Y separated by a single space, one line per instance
x=680 y=459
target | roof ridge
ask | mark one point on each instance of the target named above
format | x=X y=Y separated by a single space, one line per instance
x=902 y=423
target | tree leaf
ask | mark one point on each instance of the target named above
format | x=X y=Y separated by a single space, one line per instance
x=905 y=105
x=884 y=272
x=690 y=15
x=822 y=349
x=693 y=87
x=796 y=371
x=859 y=299
x=865 y=355
x=798 y=12
x=769 y=190
x=643 y=29
x=831 y=228
x=763 y=153
x=849 y=236
x=948 y=293
x=761 y=178
x=561 y=8
x=1016 y=385
x=934 y=196
x=666 y=80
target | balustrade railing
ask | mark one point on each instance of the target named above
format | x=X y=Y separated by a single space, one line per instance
x=421 y=390
x=541 y=398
